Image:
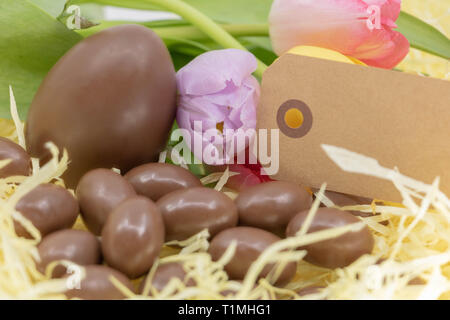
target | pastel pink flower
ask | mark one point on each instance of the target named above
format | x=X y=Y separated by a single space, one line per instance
x=341 y=25
x=217 y=91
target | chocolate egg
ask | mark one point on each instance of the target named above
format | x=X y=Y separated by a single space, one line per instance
x=110 y=101
x=164 y=273
x=189 y=211
x=96 y=285
x=133 y=236
x=99 y=192
x=344 y=200
x=337 y=252
x=271 y=205
x=78 y=246
x=49 y=208
x=309 y=290
x=20 y=164
x=155 y=180
x=251 y=242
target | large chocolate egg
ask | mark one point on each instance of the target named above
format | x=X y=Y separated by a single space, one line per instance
x=110 y=101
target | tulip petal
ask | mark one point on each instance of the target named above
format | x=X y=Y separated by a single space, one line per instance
x=200 y=77
x=390 y=10
x=399 y=48
x=335 y=24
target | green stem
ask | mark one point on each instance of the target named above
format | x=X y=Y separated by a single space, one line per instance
x=205 y=24
x=195 y=34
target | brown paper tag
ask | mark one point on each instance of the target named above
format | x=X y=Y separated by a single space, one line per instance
x=402 y=120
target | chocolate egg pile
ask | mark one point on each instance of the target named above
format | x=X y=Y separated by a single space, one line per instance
x=130 y=217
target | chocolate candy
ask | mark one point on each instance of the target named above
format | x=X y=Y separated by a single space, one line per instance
x=271 y=205
x=309 y=290
x=344 y=200
x=164 y=273
x=189 y=211
x=110 y=102
x=49 y=208
x=80 y=247
x=338 y=252
x=133 y=236
x=97 y=285
x=155 y=180
x=20 y=164
x=99 y=192
x=251 y=242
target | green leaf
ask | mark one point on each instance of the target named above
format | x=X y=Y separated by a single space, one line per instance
x=423 y=36
x=31 y=42
x=52 y=7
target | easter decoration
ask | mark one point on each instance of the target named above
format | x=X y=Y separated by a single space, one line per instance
x=243 y=149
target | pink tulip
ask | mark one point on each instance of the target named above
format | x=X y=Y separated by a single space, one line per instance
x=358 y=28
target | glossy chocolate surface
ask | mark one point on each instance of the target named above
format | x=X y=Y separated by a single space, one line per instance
x=97 y=284
x=189 y=211
x=99 y=192
x=133 y=236
x=155 y=180
x=49 y=208
x=271 y=205
x=110 y=101
x=20 y=164
x=251 y=242
x=164 y=273
x=344 y=200
x=80 y=247
x=338 y=252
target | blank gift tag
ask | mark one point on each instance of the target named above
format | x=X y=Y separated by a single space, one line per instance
x=402 y=120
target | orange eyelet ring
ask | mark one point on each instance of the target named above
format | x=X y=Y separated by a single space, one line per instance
x=294 y=118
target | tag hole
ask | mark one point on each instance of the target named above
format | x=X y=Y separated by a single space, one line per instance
x=294 y=118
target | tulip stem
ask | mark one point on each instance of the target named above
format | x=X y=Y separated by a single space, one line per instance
x=206 y=25
x=194 y=34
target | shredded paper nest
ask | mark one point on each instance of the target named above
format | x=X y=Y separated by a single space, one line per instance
x=410 y=260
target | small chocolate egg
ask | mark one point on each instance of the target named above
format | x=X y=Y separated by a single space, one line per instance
x=344 y=200
x=99 y=192
x=20 y=164
x=110 y=101
x=96 y=285
x=338 y=252
x=78 y=246
x=189 y=211
x=133 y=236
x=49 y=208
x=251 y=242
x=271 y=205
x=155 y=180
x=309 y=290
x=163 y=274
